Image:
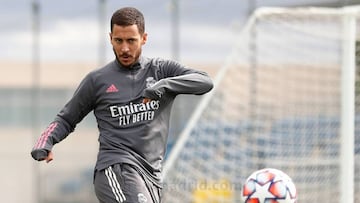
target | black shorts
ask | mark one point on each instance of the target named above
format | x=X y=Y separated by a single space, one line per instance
x=122 y=183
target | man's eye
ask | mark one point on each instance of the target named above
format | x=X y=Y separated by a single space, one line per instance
x=118 y=40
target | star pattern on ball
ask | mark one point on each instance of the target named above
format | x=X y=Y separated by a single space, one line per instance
x=262 y=192
x=287 y=199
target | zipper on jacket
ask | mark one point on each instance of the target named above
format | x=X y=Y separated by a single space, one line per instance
x=132 y=83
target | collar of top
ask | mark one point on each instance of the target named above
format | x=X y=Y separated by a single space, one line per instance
x=134 y=66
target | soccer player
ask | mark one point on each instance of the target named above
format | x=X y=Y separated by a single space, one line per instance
x=131 y=98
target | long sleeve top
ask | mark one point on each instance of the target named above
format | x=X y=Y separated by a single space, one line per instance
x=130 y=131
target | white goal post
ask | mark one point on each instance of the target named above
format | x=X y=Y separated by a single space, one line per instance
x=347 y=157
x=285 y=98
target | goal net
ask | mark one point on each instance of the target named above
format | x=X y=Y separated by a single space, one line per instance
x=277 y=103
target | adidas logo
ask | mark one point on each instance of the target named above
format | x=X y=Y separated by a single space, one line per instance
x=111 y=88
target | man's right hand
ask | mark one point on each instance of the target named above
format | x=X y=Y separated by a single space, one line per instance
x=49 y=157
x=42 y=154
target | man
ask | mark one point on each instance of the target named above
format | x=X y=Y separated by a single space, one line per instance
x=131 y=98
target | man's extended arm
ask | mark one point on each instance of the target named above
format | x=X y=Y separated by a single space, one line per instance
x=64 y=123
x=192 y=83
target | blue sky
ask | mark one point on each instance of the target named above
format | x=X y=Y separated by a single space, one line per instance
x=70 y=30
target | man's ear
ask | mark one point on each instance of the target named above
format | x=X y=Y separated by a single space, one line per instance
x=144 y=38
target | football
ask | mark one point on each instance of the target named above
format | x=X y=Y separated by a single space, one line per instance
x=269 y=186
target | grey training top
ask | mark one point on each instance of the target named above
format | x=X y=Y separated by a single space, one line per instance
x=130 y=131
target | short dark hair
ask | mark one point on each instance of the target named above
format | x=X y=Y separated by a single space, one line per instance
x=128 y=16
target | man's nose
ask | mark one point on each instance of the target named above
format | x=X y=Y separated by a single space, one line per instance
x=125 y=48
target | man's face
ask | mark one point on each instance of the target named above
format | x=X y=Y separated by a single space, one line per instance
x=127 y=43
